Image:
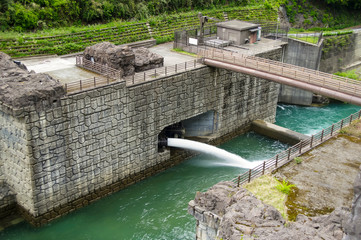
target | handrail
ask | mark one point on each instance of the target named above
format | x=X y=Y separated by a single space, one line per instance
x=296 y=150
x=112 y=75
x=325 y=80
x=149 y=75
x=102 y=69
x=88 y=83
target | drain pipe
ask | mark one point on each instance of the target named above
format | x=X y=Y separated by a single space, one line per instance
x=287 y=81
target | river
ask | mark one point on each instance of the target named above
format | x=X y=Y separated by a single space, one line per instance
x=156 y=208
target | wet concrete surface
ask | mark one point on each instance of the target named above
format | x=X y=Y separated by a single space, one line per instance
x=325 y=177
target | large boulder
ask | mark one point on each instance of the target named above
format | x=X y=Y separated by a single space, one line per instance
x=117 y=57
x=145 y=60
x=20 y=88
x=123 y=58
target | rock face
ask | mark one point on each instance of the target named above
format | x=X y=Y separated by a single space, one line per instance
x=145 y=60
x=240 y=215
x=353 y=225
x=20 y=88
x=123 y=57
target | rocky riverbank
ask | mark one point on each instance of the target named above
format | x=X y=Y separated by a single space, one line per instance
x=328 y=180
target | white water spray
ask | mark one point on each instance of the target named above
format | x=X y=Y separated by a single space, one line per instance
x=212 y=150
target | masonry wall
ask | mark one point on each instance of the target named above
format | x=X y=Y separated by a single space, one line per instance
x=15 y=157
x=93 y=143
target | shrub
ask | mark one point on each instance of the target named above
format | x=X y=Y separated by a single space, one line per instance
x=284 y=187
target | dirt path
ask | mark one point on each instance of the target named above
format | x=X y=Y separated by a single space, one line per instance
x=325 y=177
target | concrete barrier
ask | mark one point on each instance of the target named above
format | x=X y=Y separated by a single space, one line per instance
x=276 y=132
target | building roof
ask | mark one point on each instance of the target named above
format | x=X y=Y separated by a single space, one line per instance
x=237 y=25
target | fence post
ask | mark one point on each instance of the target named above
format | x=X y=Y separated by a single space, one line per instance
x=301 y=143
x=322 y=134
x=155 y=72
x=238 y=180
x=195 y=62
x=108 y=80
x=166 y=71
x=66 y=87
x=175 y=68
x=350 y=119
x=332 y=128
x=311 y=141
x=342 y=122
x=185 y=66
x=249 y=175
x=133 y=77
x=289 y=154
x=144 y=77
x=264 y=165
x=81 y=87
x=276 y=161
x=359 y=114
x=95 y=82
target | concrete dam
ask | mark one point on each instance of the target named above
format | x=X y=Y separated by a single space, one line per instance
x=63 y=153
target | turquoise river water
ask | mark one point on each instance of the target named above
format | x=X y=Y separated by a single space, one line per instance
x=156 y=208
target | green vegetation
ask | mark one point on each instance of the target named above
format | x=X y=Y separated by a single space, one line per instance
x=350 y=74
x=184 y=52
x=25 y=15
x=74 y=39
x=265 y=188
x=284 y=187
x=338 y=42
x=298 y=160
x=310 y=39
x=354 y=129
x=333 y=14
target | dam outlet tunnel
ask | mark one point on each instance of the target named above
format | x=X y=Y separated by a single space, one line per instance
x=205 y=124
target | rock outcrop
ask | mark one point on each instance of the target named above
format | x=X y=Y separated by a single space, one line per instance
x=20 y=88
x=123 y=57
x=353 y=224
x=145 y=59
x=242 y=216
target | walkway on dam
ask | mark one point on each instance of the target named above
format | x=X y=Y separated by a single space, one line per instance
x=329 y=85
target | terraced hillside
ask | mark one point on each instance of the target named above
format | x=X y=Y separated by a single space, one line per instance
x=160 y=28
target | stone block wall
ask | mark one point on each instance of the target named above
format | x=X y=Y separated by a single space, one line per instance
x=15 y=156
x=68 y=153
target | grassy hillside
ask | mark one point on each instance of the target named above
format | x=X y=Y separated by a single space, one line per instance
x=73 y=39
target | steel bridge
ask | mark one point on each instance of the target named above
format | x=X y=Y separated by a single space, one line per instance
x=329 y=85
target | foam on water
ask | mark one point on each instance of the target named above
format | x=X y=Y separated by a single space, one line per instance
x=231 y=159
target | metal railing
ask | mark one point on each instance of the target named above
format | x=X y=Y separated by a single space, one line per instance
x=104 y=70
x=156 y=73
x=321 y=79
x=113 y=75
x=295 y=151
x=85 y=84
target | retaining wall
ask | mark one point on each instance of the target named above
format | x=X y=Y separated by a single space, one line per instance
x=340 y=51
x=301 y=54
x=60 y=156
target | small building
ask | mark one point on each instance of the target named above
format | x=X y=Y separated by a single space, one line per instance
x=238 y=32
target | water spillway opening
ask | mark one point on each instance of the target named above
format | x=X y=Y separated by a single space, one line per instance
x=231 y=158
x=204 y=124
